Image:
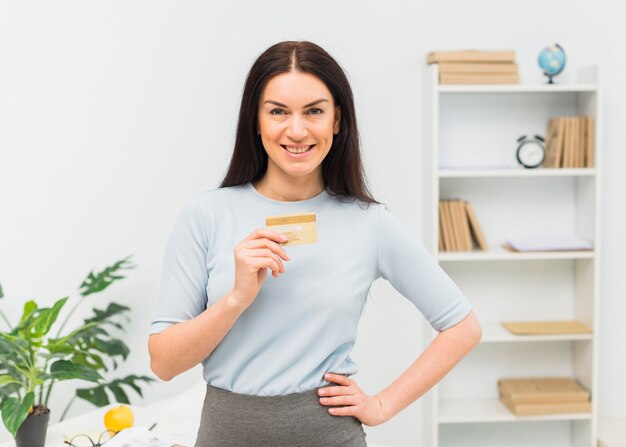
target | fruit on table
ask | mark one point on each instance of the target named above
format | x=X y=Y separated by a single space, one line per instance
x=119 y=418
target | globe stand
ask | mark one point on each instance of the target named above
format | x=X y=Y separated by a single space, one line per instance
x=552 y=61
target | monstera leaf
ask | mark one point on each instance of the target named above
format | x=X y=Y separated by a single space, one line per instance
x=98 y=396
x=100 y=281
x=15 y=411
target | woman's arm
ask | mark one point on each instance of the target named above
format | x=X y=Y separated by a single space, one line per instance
x=445 y=351
x=183 y=345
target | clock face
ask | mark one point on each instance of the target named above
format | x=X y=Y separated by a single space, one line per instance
x=531 y=154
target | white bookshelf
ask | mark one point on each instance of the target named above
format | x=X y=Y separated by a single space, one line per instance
x=470 y=138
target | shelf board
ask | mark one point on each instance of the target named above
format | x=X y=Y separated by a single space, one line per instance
x=491 y=410
x=516 y=88
x=494 y=332
x=515 y=172
x=500 y=254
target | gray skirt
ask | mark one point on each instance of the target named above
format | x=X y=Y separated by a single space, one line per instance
x=295 y=420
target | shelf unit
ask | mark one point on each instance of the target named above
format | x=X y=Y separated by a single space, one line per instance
x=470 y=138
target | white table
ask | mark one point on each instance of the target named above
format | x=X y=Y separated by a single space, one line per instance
x=177 y=414
x=180 y=412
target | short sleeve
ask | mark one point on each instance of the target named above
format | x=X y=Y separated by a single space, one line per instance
x=182 y=295
x=406 y=264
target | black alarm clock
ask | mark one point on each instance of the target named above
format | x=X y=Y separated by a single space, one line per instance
x=530 y=151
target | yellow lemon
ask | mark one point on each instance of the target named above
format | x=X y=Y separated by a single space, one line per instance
x=119 y=418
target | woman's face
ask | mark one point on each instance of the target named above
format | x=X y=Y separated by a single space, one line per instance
x=297 y=113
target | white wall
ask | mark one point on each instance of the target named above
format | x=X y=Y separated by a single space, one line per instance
x=113 y=114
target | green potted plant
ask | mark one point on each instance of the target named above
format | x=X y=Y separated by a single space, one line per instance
x=32 y=361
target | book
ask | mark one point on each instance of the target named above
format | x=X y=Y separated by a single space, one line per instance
x=478 y=68
x=464 y=225
x=542 y=390
x=443 y=228
x=546 y=327
x=456 y=243
x=559 y=143
x=440 y=232
x=583 y=137
x=460 y=78
x=555 y=242
x=449 y=240
x=551 y=135
x=470 y=56
x=456 y=224
x=475 y=228
x=582 y=141
x=567 y=143
x=576 y=141
x=589 y=150
x=546 y=408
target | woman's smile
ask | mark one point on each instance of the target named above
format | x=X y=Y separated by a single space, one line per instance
x=298 y=151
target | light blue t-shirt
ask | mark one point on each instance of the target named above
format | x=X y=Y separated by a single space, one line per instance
x=303 y=323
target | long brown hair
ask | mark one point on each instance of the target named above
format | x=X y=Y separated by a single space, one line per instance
x=342 y=170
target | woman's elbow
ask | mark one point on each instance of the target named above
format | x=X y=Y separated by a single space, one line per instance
x=474 y=330
x=155 y=365
x=159 y=373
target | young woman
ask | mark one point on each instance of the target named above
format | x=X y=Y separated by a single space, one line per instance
x=276 y=349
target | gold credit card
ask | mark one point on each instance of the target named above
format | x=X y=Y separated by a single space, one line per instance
x=297 y=228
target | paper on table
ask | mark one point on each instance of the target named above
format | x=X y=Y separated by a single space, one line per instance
x=142 y=437
x=549 y=243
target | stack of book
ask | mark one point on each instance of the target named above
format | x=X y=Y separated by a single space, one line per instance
x=570 y=142
x=458 y=227
x=526 y=397
x=476 y=67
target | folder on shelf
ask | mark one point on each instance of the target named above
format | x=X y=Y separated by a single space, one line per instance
x=548 y=243
x=533 y=396
x=546 y=327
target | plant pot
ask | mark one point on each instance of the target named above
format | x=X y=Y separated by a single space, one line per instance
x=32 y=432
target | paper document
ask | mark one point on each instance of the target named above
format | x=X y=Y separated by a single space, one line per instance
x=142 y=437
x=548 y=243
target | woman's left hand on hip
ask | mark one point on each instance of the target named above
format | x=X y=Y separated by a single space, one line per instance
x=351 y=400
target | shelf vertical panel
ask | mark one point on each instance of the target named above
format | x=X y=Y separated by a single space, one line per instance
x=431 y=224
x=588 y=293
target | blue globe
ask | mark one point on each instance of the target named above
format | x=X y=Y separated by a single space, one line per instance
x=552 y=61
